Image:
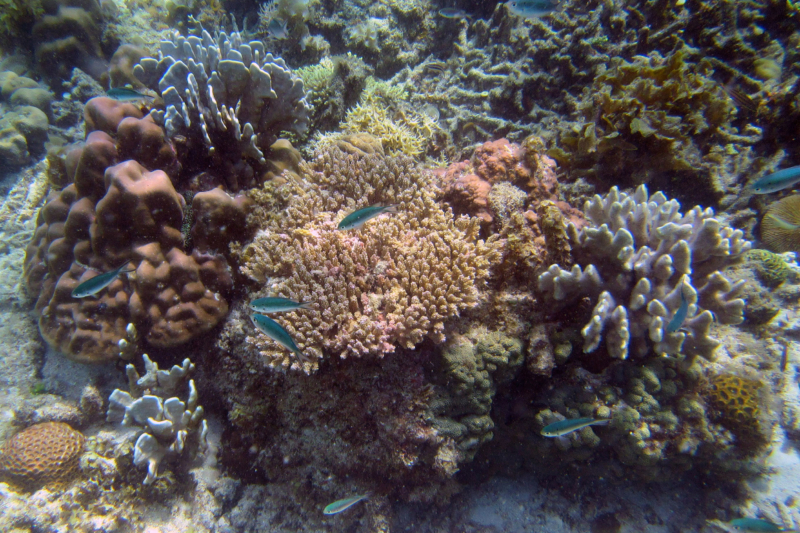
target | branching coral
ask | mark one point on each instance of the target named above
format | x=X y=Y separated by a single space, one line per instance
x=395 y=281
x=645 y=259
x=170 y=425
x=229 y=93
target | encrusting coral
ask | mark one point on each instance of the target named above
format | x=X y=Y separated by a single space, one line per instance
x=40 y=454
x=643 y=260
x=394 y=281
x=170 y=425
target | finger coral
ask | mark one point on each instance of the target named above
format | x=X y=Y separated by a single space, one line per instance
x=643 y=259
x=394 y=281
x=226 y=93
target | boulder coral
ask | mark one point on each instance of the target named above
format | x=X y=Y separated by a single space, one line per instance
x=116 y=212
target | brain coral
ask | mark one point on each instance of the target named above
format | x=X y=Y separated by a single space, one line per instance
x=41 y=454
x=396 y=280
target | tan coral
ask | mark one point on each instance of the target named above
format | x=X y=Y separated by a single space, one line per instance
x=396 y=280
x=41 y=454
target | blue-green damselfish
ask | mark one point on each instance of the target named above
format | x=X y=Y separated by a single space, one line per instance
x=274 y=331
x=756 y=524
x=341 y=505
x=563 y=427
x=680 y=315
x=274 y=304
x=777 y=181
x=356 y=219
x=99 y=282
x=532 y=8
x=123 y=94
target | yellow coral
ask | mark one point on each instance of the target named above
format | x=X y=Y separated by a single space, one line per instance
x=737 y=399
x=396 y=280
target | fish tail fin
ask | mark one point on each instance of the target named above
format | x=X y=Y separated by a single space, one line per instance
x=304 y=305
x=603 y=422
x=392 y=208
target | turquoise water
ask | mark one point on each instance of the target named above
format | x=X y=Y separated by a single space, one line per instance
x=564 y=219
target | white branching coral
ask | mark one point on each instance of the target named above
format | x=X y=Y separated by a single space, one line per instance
x=170 y=425
x=642 y=258
x=230 y=93
x=394 y=281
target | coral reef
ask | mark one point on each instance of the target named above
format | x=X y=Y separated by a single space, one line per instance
x=40 y=454
x=385 y=113
x=396 y=281
x=171 y=426
x=779 y=231
x=513 y=190
x=110 y=214
x=644 y=260
x=24 y=124
x=228 y=95
x=669 y=110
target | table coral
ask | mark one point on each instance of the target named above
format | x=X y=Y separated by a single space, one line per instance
x=395 y=281
x=641 y=257
x=41 y=454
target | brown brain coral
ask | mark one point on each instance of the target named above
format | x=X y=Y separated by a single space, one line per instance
x=41 y=454
x=395 y=280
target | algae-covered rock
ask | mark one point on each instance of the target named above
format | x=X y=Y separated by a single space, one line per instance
x=13 y=148
x=770 y=267
x=471 y=368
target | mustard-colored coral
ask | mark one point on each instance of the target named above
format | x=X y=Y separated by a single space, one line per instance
x=737 y=400
x=394 y=281
x=384 y=111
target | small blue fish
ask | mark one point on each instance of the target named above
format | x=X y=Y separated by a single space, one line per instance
x=278 y=29
x=532 y=8
x=123 y=94
x=756 y=524
x=777 y=181
x=341 y=505
x=356 y=219
x=453 y=13
x=99 y=282
x=680 y=315
x=563 y=427
x=274 y=331
x=276 y=305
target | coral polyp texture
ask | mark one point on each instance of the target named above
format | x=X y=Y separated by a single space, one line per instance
x=112 y=213
x=228 y=93
x=396 y=280
x=40 y=454
x=642 y=259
